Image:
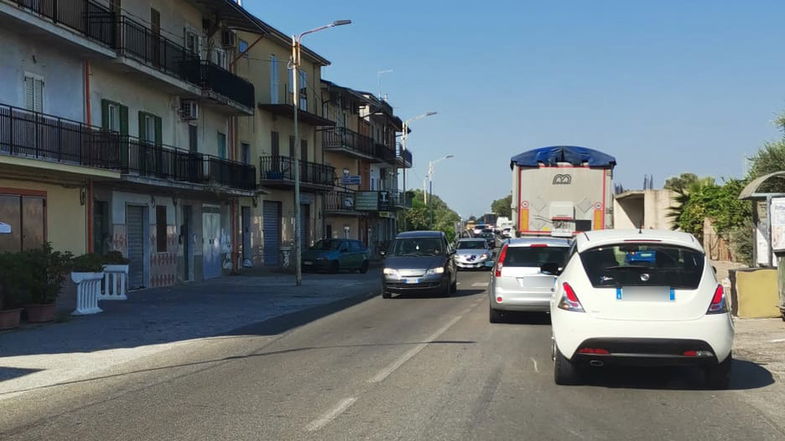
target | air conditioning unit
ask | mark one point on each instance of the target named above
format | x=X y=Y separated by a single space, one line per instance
x=189 y=110
x=228 y=38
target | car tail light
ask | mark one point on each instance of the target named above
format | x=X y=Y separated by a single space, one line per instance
x=718 y=304
x=569 y=300
x=690 y=353
x=500 y=261
x=593 y=351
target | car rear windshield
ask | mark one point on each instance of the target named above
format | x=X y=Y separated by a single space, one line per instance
x=418 y=246
x=534 y=256
x=643 y=264
x=472 y=245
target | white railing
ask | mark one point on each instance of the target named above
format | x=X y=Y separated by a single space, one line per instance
x=115 y=283
x=88 y=287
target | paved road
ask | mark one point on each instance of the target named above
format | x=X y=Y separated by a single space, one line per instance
x=400 y=369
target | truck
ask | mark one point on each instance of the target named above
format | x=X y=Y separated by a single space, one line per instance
x=562 y=191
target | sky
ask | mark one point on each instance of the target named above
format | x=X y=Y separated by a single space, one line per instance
x=665 y=86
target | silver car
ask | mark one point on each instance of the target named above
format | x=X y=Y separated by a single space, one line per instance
x=524 y=276
x=473 y=254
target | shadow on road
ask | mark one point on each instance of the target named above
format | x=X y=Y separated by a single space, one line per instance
x=430 y=295
x=745 y=375
x=526 y=318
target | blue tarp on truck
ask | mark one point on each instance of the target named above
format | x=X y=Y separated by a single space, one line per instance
x=551 y=156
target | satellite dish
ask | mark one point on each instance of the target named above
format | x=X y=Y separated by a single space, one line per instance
x=5 y=228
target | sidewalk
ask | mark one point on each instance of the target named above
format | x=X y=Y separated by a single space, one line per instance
x=154 y=320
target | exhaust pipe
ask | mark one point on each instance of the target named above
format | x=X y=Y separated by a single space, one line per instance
x=596 y=363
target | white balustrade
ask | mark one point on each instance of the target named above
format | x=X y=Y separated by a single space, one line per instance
x=115 y=283
x=88 y=288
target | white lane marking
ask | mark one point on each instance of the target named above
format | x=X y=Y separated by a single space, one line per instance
x=325 y=419
x=384 y=373
x=479 y=284
x=778 y=340
x=535 y=364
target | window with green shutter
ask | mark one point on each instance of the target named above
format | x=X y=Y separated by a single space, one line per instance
x=114 y=117
x=150 y=128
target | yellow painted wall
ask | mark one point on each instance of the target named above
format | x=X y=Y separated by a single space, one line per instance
x=756 y=293
x=66 y=218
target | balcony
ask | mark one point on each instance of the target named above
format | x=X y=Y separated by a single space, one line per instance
x=308 y=111
x=340 y=203
x=341 y=139
x=144 y=159
x=88 y=18
x=385 y=153
x=278 y=172
x=33 y=135
x=401 y=200
x=141 y=44
x=404 y=158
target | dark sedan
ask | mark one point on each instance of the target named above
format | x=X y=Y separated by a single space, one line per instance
x=419 y=261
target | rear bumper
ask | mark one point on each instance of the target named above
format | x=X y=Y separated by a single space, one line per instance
x=647 y=352
x=519 y=300
x=571 y=331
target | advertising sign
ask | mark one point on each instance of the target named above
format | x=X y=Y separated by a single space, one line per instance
x=778 y=224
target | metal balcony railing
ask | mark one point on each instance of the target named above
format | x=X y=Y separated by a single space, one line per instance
x=89 y=18
x=342 y=138
x=405 y=156
x=339 y=201
x=40 y=136
x=223 y=82
x=159 y=161
x=281 y=168
x=385 y=153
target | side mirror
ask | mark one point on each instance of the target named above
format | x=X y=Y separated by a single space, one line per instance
x=550 y=268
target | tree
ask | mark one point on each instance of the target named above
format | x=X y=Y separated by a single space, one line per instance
x=435 y=216
x=681 y=182
x=502 y=207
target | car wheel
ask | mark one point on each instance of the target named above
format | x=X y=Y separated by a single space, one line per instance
x=364 y=267
x=565 y=372
x=718 y=376
x=495 y=316
x=386 y=294
x=334 y=267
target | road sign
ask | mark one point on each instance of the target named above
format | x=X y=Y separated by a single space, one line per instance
x=350 y=180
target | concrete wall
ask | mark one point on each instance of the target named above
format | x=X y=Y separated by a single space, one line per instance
x=66 y=217
x=658 y=203
x=649 y=209
x=628 y=212
x=62 y=74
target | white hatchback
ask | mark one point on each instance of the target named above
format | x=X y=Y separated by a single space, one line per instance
x=642 y=297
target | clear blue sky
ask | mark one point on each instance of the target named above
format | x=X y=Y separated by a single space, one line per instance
x=665 y=86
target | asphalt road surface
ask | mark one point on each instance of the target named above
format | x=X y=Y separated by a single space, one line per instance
x=412 y=368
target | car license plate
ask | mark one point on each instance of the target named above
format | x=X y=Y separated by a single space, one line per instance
x=307 y=262
x=412 y=281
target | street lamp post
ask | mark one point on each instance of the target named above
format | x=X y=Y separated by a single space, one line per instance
x=295 y=63
x=430 y=182
x=404 y=139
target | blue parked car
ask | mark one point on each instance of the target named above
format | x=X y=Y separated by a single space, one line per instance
x=333 y=255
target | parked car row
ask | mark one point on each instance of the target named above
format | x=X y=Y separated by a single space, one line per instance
x=616 y=297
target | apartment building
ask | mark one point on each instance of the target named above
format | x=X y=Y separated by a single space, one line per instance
x=271 y=140
x=365 y=202
x=118 y=124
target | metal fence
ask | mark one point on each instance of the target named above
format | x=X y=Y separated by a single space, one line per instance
x=220 y=80
x=281 y=168
x=339 y=201
x=92 y=19
x=343 y=138
x=142 y=44
x=39 y=136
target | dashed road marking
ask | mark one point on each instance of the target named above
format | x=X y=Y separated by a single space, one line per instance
x=479 y=284
x=384 y=373
x=325 y=419
x=535 y=364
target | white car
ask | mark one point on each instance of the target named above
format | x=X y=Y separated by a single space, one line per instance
x=518 y=282
x=643 y=297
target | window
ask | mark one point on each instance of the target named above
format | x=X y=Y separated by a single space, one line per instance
x=193 y=138
x=150 y=128
x=274 y=79
x=34 y=92
x=242 y=46
x=304 y=150
x=291 y=147
x=626 y=265
x=114 y=117
x=221 y=145
x=245 y=152
x=219 y=58
x=275 y=149
x=192 y=41
x=160 y=228
x=303 y=86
